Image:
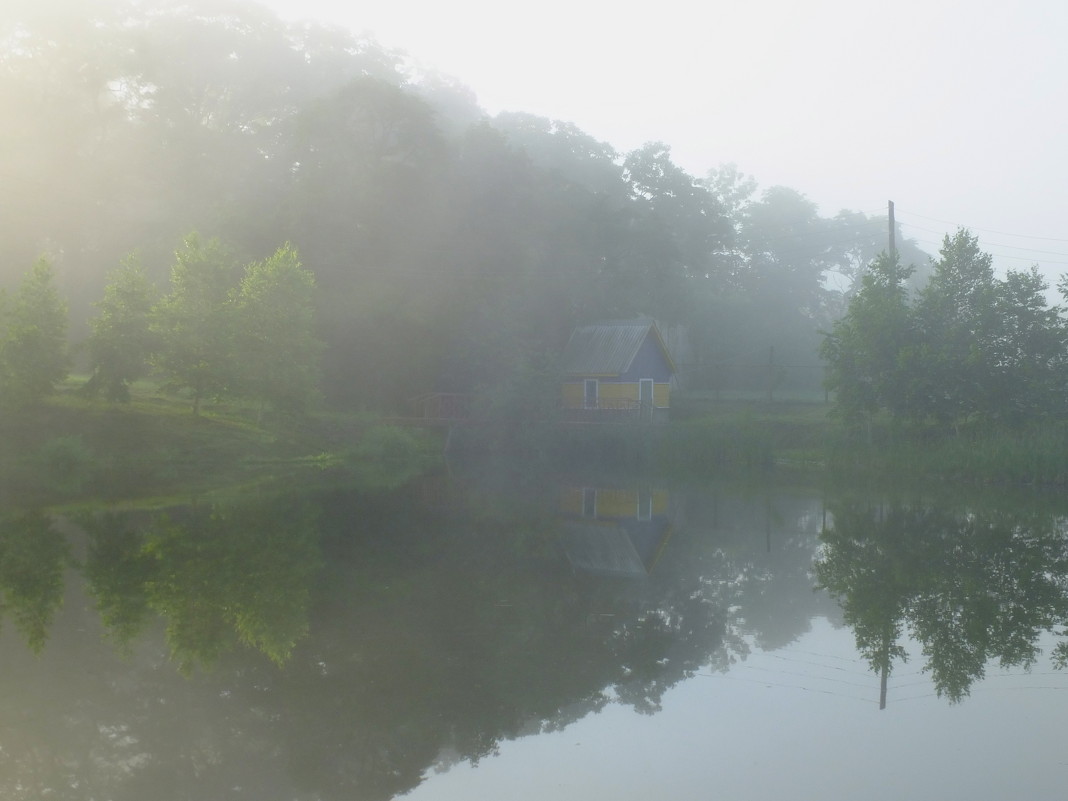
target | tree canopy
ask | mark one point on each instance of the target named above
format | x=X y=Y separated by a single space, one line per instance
x=968 y=347
x=448 y=248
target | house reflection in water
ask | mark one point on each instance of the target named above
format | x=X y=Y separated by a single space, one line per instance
x=613 y=531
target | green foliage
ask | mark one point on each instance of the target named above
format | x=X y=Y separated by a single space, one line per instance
x=122 y=341
x=739 y=445
x=388 y=456
x=384 y=443
x=970 y=585
x=865 y=347
x=194 y=322
x=971 y=348
x=66 y=463
x=976 y=454
x=33 y=340
x=275 y=343
x=33 y=557
x=119 y=574
x=233 y=574
x=442 y=253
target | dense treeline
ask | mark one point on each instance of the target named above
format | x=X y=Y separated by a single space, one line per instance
x=217 y=332
x=967 y=348
x=450 y=251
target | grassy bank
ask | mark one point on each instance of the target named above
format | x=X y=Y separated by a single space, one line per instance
x=757 y=438
x=70 y=450
x=74 y=451
x=808 y=436
x=1037 y=455
x=727 y=438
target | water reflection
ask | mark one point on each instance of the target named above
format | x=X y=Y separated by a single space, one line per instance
x=33 y=557
x=345 y=644
x=971 y=585
x=218 y=576
x=615 y=531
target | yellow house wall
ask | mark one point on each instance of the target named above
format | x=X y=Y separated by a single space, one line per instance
x=617 y=392
x=660 y=502
x=618 y=503
x=573 y=393
x=572 y=396
x=662 y=395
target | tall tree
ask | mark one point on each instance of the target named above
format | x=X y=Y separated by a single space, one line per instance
x=194 y=321
x=275 y=338
x=1029 y=350
x=122 y=341
x=697 y=224
x=790 y=248
x=864 y=348
x=957 y=317
x=33 y=339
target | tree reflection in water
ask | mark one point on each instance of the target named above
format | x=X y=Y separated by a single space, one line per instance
x=969 y=585
x=33 y=557
x=358 y=640
x=217 y=576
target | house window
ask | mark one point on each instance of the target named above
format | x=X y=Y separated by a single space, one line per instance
x=590 y=393
x=645 y=505
x=589 y=502
x=645 y=397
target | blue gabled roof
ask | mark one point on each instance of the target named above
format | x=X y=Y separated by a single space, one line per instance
x=608 y=348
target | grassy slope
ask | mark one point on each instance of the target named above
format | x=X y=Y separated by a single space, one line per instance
x=74 y=450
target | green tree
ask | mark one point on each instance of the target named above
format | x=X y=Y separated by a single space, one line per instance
x=194 y=321
x=972 y=347
x=697 y=227
x=863 y=350
x=33 y=340
x=564 y=149
x=861 y=239
x=121 y=340
x=276 y=344
x=789 y=248
x=1029 y=350
x=952 y=372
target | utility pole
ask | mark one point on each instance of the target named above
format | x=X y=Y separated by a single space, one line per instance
x=893 y=226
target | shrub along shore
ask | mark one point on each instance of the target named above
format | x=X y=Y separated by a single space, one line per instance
x=70 y=450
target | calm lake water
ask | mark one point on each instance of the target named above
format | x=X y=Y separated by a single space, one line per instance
x=534 y=637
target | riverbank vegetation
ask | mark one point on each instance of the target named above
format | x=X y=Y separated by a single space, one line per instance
x=152 y=451
x=292 y=253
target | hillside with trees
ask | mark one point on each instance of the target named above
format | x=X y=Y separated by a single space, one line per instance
x=444 y=249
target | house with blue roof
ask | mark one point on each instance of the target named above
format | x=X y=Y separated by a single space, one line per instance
x=617 y=369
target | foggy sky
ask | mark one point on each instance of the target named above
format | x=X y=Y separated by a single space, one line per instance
x=952 y=110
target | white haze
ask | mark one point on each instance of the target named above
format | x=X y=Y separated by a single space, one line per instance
x=954 y=110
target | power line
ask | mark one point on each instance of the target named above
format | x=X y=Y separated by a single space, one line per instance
x=780 y=672
x=988 y=230
x=995 y=244
x=787 y=686
x=1030 y=259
